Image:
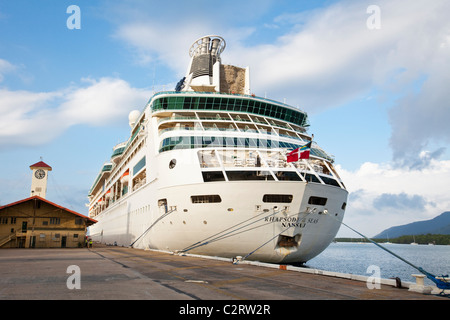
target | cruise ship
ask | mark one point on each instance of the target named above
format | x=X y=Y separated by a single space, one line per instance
x=211 y=169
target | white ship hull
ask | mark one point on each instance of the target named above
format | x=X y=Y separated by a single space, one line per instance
x=209 y=173
x=234 y=227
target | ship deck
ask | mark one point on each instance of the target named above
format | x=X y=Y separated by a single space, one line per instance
x=111 y=273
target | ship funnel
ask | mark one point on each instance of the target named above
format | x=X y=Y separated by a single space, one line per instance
x=205 y=45
x=215 y=47
x=204 y=70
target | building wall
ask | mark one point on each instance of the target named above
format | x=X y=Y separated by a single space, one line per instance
x=36 y=223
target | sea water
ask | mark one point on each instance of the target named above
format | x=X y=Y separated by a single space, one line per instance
x=356 y=258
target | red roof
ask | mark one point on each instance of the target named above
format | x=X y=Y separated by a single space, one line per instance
x=40 y=164
x=90 y=221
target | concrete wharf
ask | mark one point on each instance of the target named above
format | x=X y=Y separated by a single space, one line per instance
x=112 y=273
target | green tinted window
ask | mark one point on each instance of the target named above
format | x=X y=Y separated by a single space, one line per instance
x=230 y=104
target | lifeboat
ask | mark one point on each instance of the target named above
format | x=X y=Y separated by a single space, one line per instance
x=125 y=178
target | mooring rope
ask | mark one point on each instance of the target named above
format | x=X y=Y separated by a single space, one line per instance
x=268 y=241
x=151 y=226
x=217 y=236
x=441 y=284
x=250 y=253
x=233 y=233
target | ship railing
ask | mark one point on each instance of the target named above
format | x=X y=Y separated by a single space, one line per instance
x=219 y=127
x=177 y=118
x=265 y=160
x=7 y=239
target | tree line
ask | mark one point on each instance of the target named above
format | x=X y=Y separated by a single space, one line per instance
x=438 y=239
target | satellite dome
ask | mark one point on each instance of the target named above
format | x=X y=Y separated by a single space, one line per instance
x=133 y=117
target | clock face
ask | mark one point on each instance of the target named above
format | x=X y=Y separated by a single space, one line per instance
x=39 y=174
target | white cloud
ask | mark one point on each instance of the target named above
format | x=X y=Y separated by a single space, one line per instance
x=330 y=58
x=102 y=102
x=400 y=201
x=150 y=45
x=384 y=195
x=165 y=35
x=24 y=114
x=30 y=118
x=333 y=52
x=5 y=67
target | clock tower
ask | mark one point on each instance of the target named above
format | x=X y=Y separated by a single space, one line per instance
x=39 y=179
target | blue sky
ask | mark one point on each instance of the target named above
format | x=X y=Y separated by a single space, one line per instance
x=375 y=86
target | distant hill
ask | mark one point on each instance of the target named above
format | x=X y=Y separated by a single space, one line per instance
x=437 y=225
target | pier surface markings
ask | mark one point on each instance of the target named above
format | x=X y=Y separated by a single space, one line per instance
x=109 y=273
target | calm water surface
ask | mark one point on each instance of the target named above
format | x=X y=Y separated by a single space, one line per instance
x=355 y=258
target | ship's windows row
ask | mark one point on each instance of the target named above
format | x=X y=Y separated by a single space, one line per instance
x=330 y=181
x=249 y=175
x=288 y=176
x=231 y=104
x=267 y=198
x=118 y=151
x=139 y=166
x=215 y=198
x=192 y=142
x=215 y=176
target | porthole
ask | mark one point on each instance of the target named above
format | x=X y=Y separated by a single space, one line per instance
x=172 y=163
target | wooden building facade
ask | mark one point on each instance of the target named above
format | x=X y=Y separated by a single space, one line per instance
x=38 y=223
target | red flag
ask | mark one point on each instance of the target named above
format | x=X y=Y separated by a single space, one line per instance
x=293 y=156
x=299 y=153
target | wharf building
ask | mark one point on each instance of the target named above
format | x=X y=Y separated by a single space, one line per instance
x=36 y=222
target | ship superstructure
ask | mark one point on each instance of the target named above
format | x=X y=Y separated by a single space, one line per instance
x=205 y=171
